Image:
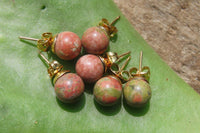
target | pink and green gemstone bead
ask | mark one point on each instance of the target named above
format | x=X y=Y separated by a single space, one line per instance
x=90 y=68
x=95 y=40
x=107 y=91
x=137 y=92
x=67 y=45
x=69 y=88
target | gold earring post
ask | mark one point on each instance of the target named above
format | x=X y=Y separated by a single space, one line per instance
x=125 y=63
x=119 y=56
x=28 y=38
x=140 y=64
x=43 y=57
x=115 y=20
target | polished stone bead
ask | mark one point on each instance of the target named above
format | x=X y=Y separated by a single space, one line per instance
x=107 y=90
x=90 y=68
x=69 y=87
x=137 y=92
x=67 y=45
x=95 y=40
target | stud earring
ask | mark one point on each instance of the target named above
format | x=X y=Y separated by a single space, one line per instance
x=108 y=90
x=92 y=67
x=95 y=40
x=137 y=91
x=68 y=86
x=66 y=45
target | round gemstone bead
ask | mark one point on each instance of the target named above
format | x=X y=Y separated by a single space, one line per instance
x=67 y=45
x=69 y=87
x=95 y=40
x=90 y=68
x=107 y=90
x=137 y=92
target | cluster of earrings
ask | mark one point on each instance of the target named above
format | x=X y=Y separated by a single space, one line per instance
x=137 y=92
x=90 y=68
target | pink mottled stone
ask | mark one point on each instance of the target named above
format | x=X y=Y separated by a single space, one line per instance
x=69 y=87
x=90 y=68
x=67 y=46
x=107 y=90
x=95 y=40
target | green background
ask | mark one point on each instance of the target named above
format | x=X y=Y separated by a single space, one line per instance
x=27 y=98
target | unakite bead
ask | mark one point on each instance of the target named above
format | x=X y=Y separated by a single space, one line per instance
x=137 y=92
x=69 y=87
x=107 y=90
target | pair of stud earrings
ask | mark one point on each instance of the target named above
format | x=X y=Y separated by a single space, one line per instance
x=136 y=91
x=90 y=68
x=67 y=45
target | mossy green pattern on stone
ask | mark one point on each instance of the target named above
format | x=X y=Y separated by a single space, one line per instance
x=137 y=91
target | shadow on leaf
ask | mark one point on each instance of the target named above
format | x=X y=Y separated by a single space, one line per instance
x=136 y=111
x=72 y=107
x=108 y=110
x=31 y=43
x=89 y=88
x=67 y=64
